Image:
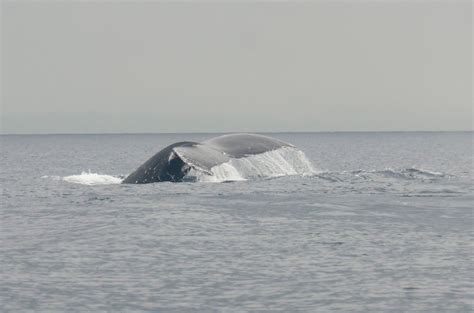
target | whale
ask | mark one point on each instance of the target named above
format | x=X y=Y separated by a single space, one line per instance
x=175 y=161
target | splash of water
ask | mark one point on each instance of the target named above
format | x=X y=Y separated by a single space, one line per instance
x=281 y=162
x=88 y=178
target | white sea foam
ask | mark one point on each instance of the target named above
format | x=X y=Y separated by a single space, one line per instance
x=88 y=178
x=280 y=162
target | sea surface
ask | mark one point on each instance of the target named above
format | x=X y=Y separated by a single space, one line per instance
x=384 y=223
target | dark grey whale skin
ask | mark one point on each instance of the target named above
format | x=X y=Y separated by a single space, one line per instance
x=173 y=162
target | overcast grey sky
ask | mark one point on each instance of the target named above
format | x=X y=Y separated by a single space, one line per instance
x=106 y=66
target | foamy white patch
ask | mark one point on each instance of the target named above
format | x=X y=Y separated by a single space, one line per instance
x=425 y=171
x=280 y=162
x=88 y=178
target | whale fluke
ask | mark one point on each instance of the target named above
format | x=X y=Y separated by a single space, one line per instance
x=175 y=161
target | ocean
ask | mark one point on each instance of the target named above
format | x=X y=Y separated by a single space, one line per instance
x=383 y=223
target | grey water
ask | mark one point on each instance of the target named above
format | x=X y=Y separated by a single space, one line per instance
x=385 y=224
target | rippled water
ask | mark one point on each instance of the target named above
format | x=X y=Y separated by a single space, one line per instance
x=384 y=225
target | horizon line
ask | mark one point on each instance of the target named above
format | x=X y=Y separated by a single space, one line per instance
x=227 y=132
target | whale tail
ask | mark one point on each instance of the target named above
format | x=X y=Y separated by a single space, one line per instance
x=216 y=156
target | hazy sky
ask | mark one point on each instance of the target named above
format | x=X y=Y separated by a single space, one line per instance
x=107 y=66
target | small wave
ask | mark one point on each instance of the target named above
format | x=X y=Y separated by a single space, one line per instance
x=281 y=162
x=410 y=173
x=410 y=182
x=88 y=178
